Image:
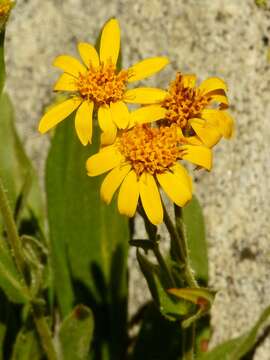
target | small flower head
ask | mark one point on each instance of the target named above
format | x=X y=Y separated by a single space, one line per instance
x=184 y=101
x=97 y=84
x=140 y=161
x=190 y=108
x=199 y=112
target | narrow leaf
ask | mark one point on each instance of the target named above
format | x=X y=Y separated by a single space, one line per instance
x=236 y=348
x=89 y=239
x=196 y=240
x=27 y=346
x=16 y=169
x=76 y=334
x=10 y=281
x=168 y=306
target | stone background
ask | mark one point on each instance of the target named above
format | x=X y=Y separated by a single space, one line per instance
x=225 y=38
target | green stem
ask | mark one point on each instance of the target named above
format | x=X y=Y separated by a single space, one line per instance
x=152 y=234
x=177 y=235
x=44 y=333
x=162 y=263
x=16 y=247
x=12 y=233
x=188 y=342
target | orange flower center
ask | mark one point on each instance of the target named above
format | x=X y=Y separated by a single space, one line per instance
x=153 y=150
x=183 y=102
x=103 y=85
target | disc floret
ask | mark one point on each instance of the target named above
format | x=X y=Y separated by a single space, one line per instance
x=151 y=150
x=102 y=85
x=184 y=102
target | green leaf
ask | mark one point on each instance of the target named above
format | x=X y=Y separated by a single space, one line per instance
x=10 y=280
x=202 y=297
x=27 y=346
x=89 y=239
x=171 y=308
x=2 y=61
x=158 y=338
x=76 y=334
x=16 y=170
x=236 y=348
x=196 y=240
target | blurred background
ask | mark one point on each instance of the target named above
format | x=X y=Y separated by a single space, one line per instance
x=224 y=38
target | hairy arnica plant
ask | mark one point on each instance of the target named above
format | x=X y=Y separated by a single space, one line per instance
x=63 y=271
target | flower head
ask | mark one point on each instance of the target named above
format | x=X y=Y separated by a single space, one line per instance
x=98 y=84
x=193 y=110
x=140 y=161
x=190 y=107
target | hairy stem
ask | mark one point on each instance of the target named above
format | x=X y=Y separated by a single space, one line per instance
x=17 y=251
x=152 y=234
x=178 y=238
x=12 y=233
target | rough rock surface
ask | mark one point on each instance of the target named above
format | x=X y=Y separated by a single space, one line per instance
x=225 y=38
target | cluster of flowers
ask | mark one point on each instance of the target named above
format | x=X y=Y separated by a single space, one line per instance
x=141 y=149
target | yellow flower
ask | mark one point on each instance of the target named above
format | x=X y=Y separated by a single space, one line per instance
x=97 y=84
x=139 y=160
x=189 y=107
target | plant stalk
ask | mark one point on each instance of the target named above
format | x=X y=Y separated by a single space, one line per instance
x=152 y=234
x=44 y=333
x=178 y=237
x=188 y=342
x=12 y=233
x=17 y=251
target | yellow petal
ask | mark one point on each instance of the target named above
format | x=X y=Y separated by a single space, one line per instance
x=69 y=65
x=211 y=116
x=145 y=95
x=88 y=54
x=147 y=114
x=199 y=155
x=209 y=134
x=189 y=80
x=58 y=113
x=226 y=124
x=128 y=195
x=150 y=198
x=146 y=68
x=193 y=140
x=104 y=160
x=108 y=138
x=112 y=182
x=221 y=119
x=83 y=122
x=182 y=173
x=110 y=42
x=107 y=125
x=213 y=83
x=120 y=114
x=66 y=82
x=219 y=96
x=176 y=188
